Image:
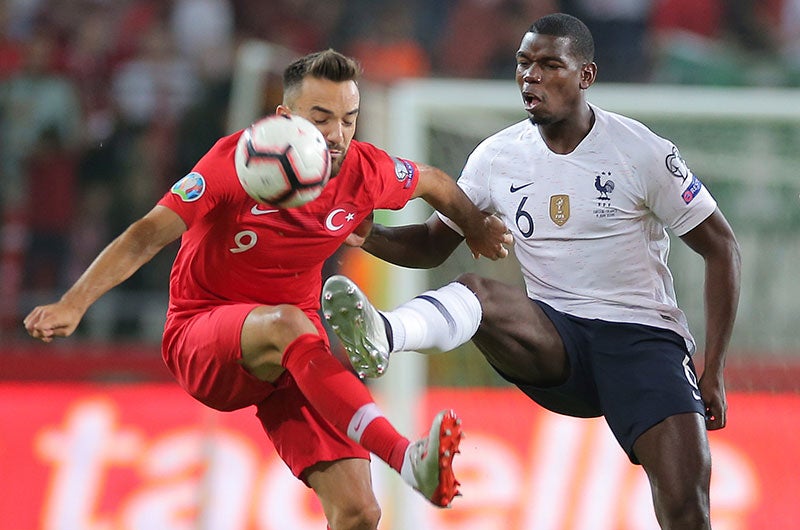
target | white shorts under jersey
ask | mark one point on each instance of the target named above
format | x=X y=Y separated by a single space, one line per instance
x=590 y=226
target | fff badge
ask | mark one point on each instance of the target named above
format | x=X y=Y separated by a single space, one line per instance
x=559 y=209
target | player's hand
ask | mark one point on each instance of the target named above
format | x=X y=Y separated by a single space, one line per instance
x=53 y=320
x=712 y=388
x=489 y=238
x=357 y=237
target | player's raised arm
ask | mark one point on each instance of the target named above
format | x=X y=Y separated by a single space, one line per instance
x=117 y=262
x=486 y=234
x=417 y=246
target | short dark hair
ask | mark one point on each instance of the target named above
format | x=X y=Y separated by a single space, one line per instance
x=563 y=25
x=327 y=64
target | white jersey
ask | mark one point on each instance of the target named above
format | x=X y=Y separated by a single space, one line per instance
x=590 y=226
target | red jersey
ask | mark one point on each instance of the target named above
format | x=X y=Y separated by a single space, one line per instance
x=238 y=251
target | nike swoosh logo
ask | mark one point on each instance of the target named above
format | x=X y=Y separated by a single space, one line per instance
x=515 y=189
x=358 y=425
x=255 y=211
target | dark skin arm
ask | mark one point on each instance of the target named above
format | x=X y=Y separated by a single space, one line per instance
x=485 y=234
x=417 y=246
x=714 y=240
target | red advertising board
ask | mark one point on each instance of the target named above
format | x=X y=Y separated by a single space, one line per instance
x=93 y=457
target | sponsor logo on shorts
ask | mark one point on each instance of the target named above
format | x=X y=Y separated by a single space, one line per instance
x=691 y=377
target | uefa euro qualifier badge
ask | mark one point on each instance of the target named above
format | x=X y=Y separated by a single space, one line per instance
x=403 y=170
x=190 y=188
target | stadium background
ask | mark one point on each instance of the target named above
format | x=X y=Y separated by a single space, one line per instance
x=104 y=104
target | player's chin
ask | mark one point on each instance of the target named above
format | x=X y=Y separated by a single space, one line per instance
x=336 y=166
x=539 y=117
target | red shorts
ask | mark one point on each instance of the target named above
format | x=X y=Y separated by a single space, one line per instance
x=204 y=354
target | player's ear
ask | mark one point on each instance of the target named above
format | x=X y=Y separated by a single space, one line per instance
x=588 y=75
x=283 y=110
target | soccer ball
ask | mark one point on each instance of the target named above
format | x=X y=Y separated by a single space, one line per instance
x=283 y=161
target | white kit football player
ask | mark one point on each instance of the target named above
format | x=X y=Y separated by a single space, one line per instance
x=589 y=196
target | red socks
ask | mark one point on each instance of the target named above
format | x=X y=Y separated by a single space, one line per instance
x=342 y=399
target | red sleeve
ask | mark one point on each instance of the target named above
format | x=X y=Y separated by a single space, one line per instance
x=211 y=182
x=392 y=179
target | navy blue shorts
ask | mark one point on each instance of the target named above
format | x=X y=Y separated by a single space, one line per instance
x=634 y=375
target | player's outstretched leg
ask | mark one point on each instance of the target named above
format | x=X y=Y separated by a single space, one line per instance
x=358 y=325
x=428 y=463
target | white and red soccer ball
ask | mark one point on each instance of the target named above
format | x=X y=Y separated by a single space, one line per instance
x=283 y=161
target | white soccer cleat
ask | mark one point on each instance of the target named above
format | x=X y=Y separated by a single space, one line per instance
x=358 y=325
x=430 y=460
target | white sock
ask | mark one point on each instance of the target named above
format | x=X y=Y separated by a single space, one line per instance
x=360 y=420
x=443 y=319
x=406 y=472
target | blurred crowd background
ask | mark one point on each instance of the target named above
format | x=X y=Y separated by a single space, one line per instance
x=105 y=103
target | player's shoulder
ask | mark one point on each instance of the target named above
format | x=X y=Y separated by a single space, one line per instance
x=516 y=130
x=228 y=142
x=360 y=149
x=364 y=157
x=368 y=159
x=222 y=150
x=625 y=130
x=505 y=139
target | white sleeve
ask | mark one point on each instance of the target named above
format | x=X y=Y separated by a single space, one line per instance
x=674 y=194
x=474 y=180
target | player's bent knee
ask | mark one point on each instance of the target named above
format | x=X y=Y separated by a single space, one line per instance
x=355 y=517
x=293 y=321
x=277 y=326
x=472 y=281
x=490 y=293
x=267 y=331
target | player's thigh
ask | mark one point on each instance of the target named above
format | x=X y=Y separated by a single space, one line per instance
x=266 y=333
x=344 y=488
x=515 y=335
x=204 y=353
x=676 y=457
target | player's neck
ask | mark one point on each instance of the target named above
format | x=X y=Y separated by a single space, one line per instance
x=564 y=136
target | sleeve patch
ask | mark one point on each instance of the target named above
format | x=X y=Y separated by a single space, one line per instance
x=676 y=165
x=691 y=192
x=190 y=188
x=403 y=170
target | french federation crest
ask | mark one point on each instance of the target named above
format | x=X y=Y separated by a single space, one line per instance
x=190 y=188
x=559 y=209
